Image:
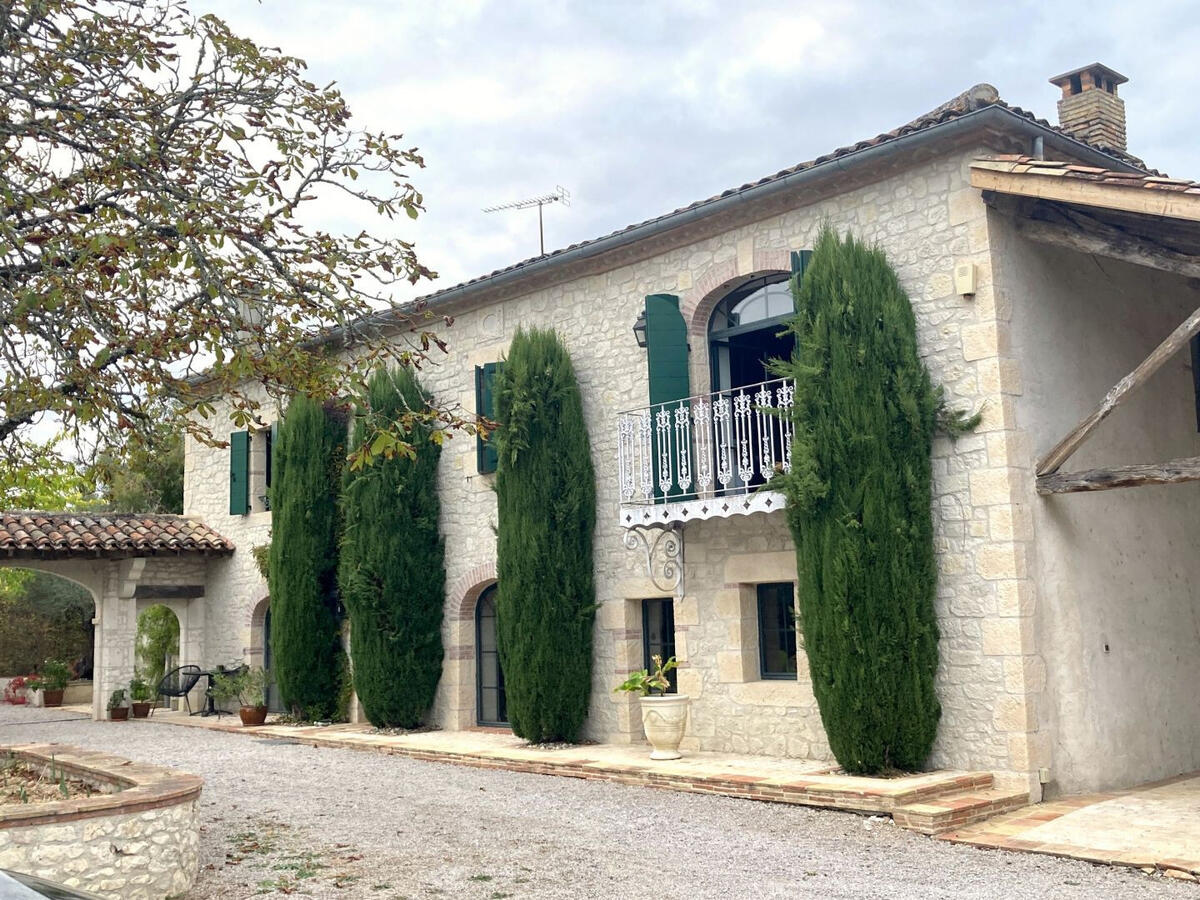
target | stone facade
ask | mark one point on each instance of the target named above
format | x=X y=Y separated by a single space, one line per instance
x=928 y=220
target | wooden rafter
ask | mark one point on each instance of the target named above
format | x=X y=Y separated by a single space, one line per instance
x=1103 y=240
x=1176 y=471
x=1051 y=462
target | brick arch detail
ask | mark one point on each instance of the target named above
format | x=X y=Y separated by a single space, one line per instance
x=718 y=280
x=468 y=588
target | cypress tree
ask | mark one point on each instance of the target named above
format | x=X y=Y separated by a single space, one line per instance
x=391 y=571
x=546 y=599
x=307 y=457
x=859 y=508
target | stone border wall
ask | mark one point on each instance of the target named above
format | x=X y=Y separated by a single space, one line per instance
x=141 y=841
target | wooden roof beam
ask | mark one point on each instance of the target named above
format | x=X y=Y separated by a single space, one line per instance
x=1176 y=471
x=1050 y=463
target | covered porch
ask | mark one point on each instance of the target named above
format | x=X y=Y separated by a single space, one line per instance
x=127 y=563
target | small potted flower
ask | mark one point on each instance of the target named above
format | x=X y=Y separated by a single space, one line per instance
x=118 y=709
x=53 y=681
x=140 y=695
x=664 y=716
x=249 y=688
x=16 y=689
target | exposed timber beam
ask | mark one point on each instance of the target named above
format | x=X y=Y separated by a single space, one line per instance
x=1176 y=471
x=1104 y=240
x=1051 y=462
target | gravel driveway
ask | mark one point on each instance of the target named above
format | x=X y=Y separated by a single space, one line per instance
x=285 y=819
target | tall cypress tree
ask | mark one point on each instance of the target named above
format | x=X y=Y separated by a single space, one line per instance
x=859 y=507
x=546 y=599
x=392 y=571
x=307 y=457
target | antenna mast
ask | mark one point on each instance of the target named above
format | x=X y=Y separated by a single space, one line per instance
x=560 y=195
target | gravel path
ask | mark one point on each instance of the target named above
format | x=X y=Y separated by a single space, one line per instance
x=290 y=820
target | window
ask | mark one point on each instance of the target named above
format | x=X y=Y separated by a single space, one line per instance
x=747 y=330
x=658 y=635
x=777 y=630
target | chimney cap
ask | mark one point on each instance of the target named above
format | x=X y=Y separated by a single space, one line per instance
x=1097 y=68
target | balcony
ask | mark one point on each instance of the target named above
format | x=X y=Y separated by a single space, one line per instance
x=705 y=457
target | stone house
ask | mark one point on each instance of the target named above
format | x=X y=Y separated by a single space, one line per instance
x=1069 y=624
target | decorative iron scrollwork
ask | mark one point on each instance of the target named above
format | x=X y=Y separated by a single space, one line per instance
x=662 y=547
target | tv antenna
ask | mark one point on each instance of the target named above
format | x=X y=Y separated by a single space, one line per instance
x=560 y=195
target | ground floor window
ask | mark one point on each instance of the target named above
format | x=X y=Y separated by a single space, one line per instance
x=777 y=630
x=491 y=707
x=658 y=634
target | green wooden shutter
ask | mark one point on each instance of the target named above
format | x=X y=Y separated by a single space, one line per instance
x=239 y=473
x=486 y=458
x=666 y=349
x=800 y=260
x=666 y=359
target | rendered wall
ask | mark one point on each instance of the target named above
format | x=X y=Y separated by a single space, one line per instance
x=1118 y=610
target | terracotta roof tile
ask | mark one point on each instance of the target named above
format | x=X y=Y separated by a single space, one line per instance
x=1027 y=165
x=59 y=534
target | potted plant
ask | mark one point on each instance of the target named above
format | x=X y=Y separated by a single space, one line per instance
x=53 y=681
x=140 y=694
x=249 y=688
x=33 y=690
x=664 y=716
x=117 y=709
x=14 y=691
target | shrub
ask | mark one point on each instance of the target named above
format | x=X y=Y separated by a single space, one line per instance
x=545 y=601
x=305 y=642
x=392 y=574
x=157 y=640
x=859 y=507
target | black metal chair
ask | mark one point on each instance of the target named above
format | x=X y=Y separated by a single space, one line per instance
x=179 y=683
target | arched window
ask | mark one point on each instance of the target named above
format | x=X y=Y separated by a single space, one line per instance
x=744 y=332
x=491 y=708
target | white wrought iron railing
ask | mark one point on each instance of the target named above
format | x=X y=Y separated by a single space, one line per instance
x=712 y=445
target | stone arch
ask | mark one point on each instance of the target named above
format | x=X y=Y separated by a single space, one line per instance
x=256 y=652
x=468 y=588
x=711 y=288
x=458 y=676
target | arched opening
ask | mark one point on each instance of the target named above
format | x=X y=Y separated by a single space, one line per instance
x=156 y=646
x=744 y=331
x=491 y=707
x=260 y=649
x=47 y=616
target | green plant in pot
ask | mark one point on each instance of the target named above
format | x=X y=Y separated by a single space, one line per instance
x=248 y=687
x=142 y=695
x=118 y=705
x=52 y=681
x=664 y=715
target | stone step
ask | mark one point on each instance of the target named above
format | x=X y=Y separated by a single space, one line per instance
x=938 y=814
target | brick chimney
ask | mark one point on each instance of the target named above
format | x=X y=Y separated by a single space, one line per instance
x=1090 y=108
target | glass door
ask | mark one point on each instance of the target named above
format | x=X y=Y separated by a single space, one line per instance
x=491 y=708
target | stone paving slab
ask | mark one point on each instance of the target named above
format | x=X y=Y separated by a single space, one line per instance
x=1154 y=826
x=774 y=779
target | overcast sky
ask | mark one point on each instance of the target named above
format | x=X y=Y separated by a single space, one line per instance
x=637 y=108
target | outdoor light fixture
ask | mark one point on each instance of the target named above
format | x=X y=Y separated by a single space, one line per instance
x=639 y=330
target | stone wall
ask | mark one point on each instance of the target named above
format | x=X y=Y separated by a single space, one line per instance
x=928 y=220
x=140 y=843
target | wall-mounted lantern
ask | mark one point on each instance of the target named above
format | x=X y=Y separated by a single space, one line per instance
x=639 y=330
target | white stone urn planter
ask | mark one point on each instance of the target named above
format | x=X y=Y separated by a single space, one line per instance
x=664 y=717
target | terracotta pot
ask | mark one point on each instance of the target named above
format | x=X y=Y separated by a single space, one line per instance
x=664 y=718
x=253 y=715
x=140 y=710
x=120 y=714
x=52 y=698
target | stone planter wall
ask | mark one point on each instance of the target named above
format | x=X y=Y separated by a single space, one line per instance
x=139 y=840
